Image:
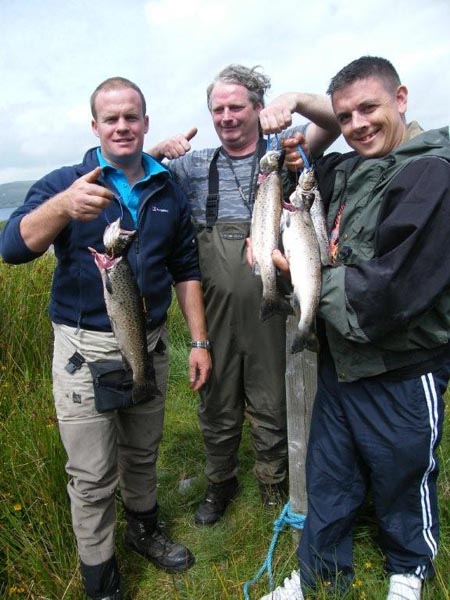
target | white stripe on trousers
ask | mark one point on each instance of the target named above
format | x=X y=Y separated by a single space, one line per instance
x=432 y=404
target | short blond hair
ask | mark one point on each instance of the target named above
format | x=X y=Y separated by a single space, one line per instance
x=116 y=83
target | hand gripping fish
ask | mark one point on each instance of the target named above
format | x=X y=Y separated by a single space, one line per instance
x=265 y=232
x=125 y=309
x=301 y=249
x=307 y=188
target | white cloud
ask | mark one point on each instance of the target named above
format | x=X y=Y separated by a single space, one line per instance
x=53 y=54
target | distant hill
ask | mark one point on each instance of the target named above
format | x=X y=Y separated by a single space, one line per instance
x=13 y=194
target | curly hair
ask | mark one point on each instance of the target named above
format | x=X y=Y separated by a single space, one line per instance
x=256 y=82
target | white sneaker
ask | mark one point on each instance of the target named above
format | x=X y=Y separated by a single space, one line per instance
x=290 y=590
x=404 y=587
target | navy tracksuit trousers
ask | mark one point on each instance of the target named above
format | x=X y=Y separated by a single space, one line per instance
x=378 y=434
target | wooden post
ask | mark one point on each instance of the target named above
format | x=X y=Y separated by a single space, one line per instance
x=301 y=386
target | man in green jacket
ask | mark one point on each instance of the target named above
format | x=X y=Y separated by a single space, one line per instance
x=384 y=363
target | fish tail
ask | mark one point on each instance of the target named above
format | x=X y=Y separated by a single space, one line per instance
x=325 y=257
x=305 y=340
x=312 y=343
x=272 y=306
x=298 y=344
x=143 y=392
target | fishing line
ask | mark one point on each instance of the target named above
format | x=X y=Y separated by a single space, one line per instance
x=119 y=199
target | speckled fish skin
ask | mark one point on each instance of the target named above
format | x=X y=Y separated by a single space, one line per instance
x=265 y=232
x=307 y=188
x=125 y=310
x=302 y=252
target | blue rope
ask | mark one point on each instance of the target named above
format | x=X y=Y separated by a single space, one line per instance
x=306 y=162
x=287 y=517
x=269 y=143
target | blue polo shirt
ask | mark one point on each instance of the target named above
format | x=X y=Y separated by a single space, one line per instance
x=129 y=195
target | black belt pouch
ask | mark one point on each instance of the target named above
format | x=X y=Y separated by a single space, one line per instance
x=113 y=385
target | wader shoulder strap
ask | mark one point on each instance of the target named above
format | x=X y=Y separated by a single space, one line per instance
x=212 y=201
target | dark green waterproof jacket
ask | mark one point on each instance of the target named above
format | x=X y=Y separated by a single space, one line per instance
x=386 y=305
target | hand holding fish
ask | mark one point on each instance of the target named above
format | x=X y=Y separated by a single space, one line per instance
x=279 y=260
x=174 y=147
x=281 y=263
x=84 y=200
x=293 y=159
x=276 y=117
x=323 y=128
x=278 y=114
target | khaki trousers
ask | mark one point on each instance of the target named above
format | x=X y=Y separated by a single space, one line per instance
x=104 y=450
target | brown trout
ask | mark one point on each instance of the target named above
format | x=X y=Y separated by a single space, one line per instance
x=301 y=249
x=307 y=187
x=265 y=232
x=125 y=309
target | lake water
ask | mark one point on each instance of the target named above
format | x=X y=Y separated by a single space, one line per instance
x=5 y=212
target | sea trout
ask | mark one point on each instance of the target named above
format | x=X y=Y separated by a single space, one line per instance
x=125 y=310
x=265 y=232
x=307 y=187
x=301 y=249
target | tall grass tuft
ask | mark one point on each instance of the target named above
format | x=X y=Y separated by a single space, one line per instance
x=38 y=558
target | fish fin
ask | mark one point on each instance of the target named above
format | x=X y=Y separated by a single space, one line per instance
x=279 y=306
x=302 y=342
x=295 y=302
x=325 y=258
x=124 y=359
x=256 y=270
x=287 y=220
x=327 y=262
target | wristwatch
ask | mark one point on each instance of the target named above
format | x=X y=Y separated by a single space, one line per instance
x=201 y=344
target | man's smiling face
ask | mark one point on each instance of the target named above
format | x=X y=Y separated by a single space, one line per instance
x=370 y=116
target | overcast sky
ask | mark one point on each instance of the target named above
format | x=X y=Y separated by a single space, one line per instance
x=53 y=53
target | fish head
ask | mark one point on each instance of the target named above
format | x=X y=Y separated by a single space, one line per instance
x=103 y=261
x=272 y=161
x=308 y=199
x=116 y=239
x=299 y=200
x=307 y=180
x=304 y=194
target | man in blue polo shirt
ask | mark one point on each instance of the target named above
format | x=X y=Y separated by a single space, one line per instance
x=70 y=209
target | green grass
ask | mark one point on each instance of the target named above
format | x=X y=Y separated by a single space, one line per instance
x=38 y=558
